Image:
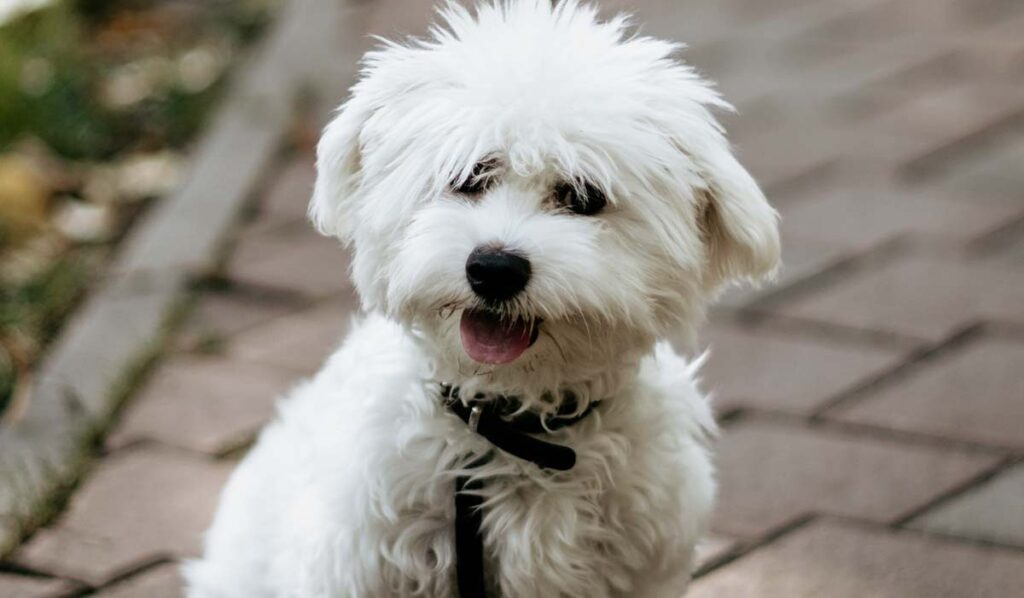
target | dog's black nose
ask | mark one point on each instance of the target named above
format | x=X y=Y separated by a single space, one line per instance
x=496 y=274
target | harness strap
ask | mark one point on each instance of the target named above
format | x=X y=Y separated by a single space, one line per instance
x=505 y=433
x=469 y=539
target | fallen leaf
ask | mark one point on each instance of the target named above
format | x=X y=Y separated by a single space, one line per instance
x=24 y=197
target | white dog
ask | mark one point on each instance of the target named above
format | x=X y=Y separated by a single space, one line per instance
x=535 y=199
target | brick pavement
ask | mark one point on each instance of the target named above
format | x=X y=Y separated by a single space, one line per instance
x=872 y=405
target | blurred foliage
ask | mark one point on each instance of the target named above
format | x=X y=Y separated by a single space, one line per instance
x=97 y=100
x=31 y=314
x=8 y=375
x=54 y=63
x=43 y=45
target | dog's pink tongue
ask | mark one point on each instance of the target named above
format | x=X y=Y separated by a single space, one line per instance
x=487 y=339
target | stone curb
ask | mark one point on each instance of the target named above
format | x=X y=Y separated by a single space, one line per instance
x=120 y=327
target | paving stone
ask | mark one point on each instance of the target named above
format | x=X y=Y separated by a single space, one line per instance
x=992 y=173
x=205 y=404
x=137 y=506
x=774 y=472
x=394 y=19
x=76 y=390
x=38 y=455
x=712 y=547
x=299 y=341
x=257 y=244
x=752 y=119
x=836 y=560
x=988 y=11
x=773 y=370
x=920 y=297
x=932 y=122
x=975 y=393
x=993 y=511
x=161 y=582
x=9 y=531
x=219 y=315
x=880 y=22
x=21 y=586
x=808 y=149
x=294 y=258
x=1010 y=251
x=927 y=75
x=859 y=219
x=829 y=70
x=1006 y=26
x=997 y=59
x=800 y=260
x=810 y=77
x=110 y=333
x=663 y=18
x=289 y=193
x=807 y=16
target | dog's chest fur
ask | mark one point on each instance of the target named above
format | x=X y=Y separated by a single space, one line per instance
x=350 y=491
x=630 y=504
x=591 y=531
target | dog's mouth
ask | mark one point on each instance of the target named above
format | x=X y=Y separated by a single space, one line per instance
x=487 y=338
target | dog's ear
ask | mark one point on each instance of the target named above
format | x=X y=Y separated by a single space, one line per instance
x=339 y=168
x=739 y=226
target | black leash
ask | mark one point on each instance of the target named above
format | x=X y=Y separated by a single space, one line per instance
x=469 y=539
x=497 y=421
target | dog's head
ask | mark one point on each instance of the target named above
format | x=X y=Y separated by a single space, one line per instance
x=538 y=194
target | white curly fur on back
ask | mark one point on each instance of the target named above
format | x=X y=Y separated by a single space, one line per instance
x=349 y=491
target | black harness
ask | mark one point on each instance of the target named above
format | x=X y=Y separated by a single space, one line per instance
x=497 y=419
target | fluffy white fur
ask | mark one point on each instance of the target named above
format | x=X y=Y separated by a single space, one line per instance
x=349 y=491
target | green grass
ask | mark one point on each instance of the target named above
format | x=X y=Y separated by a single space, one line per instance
x=64 y=115
x=51 y=72
x=8 y=374
x=31 y=313
x=36 y=308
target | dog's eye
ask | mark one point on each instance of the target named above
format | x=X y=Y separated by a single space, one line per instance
x=482 y=177
x=584 y=199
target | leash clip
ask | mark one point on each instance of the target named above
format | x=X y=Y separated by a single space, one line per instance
x=449 y=394
x=474 y=417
